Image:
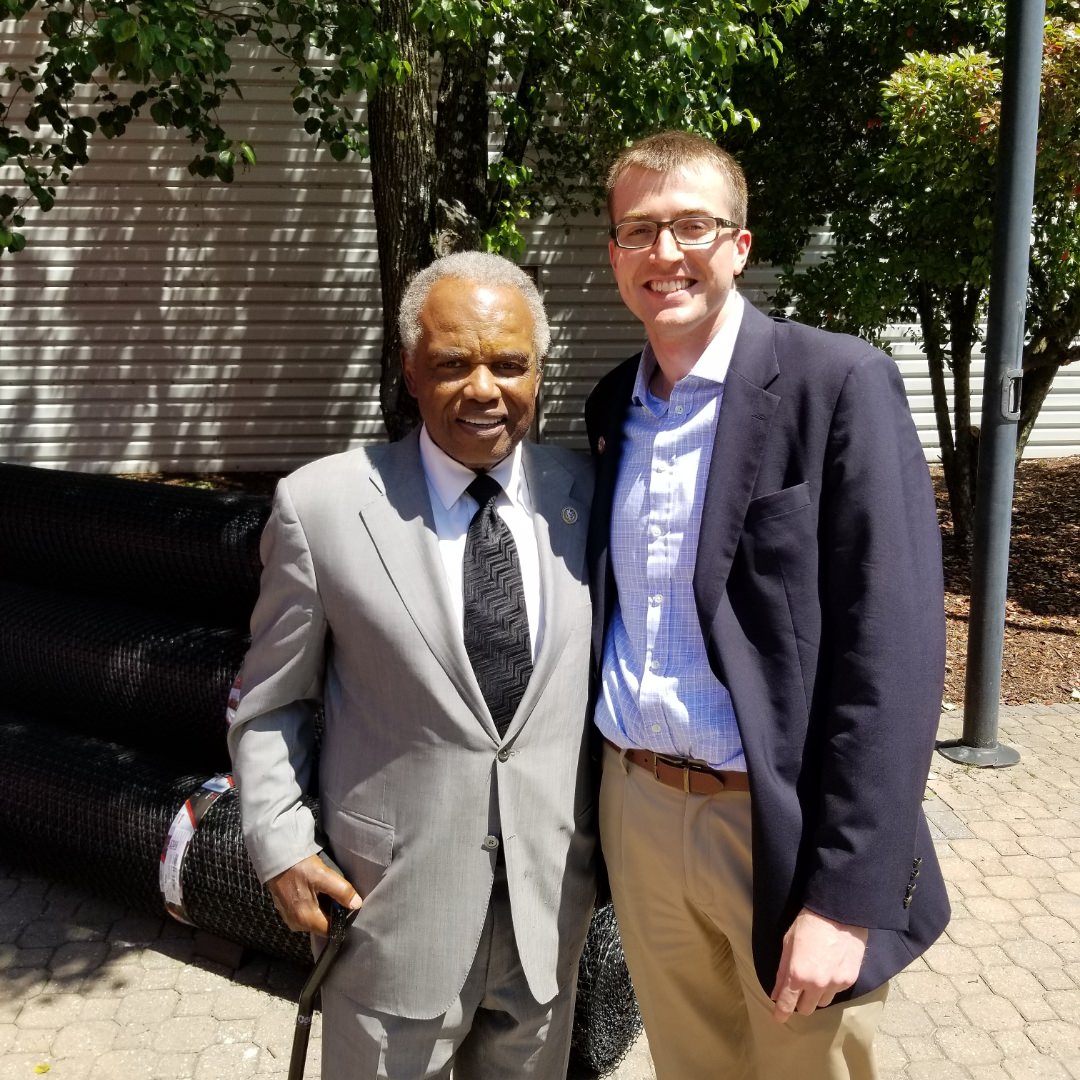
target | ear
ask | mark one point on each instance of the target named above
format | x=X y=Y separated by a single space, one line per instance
x=407 y=372
x=612 y=248
x=742 y=250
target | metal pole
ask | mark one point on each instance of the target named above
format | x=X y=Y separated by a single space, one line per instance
x=1001 y=388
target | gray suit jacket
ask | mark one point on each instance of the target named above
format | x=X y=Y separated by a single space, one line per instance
x=354 y=613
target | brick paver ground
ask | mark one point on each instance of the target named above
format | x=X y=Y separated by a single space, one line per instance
x=90 y=991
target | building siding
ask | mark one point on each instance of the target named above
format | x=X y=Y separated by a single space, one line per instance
x=157 y=321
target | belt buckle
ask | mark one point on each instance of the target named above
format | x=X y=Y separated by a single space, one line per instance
x=676 y=763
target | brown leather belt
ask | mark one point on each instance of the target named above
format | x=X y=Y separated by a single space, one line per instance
x=691 y=777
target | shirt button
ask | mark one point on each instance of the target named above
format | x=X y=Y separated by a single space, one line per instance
x=655 y=600
x=679 y=410
x=504 y=755
x=490 y=843
x=655 y=531
x=656 y=728
x=654 y=665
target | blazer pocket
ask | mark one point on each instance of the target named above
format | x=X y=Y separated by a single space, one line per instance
x=367 y=838
x=779 y=502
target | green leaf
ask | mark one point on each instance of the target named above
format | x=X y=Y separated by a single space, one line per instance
x=56 y=22
x=125 y=28
x=338 y=151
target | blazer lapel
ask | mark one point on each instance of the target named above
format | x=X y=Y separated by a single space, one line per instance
x=607 y=453
x=746 y=413
x=559 y=517
x=396 y=511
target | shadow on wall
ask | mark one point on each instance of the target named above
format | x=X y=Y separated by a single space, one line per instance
x=161 y=322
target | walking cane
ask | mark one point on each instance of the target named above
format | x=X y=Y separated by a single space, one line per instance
x=340 y=920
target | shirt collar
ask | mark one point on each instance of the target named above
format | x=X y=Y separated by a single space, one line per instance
x=449 y=478
x=712 y=365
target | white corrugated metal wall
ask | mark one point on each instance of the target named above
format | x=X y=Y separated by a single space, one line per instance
x=157 y=321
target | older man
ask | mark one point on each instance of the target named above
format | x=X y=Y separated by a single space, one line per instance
x=430 y=596
x=770 y=636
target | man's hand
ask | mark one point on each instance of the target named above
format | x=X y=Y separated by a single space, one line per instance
x=296 y=892
x=820 y=958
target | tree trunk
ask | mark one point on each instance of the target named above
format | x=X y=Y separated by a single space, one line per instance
x=935 y=359
x=528 y=100
x=1053 y=344
x=955 y=460
x=461 y=148
x=402 y=165
x=961 y=483
x=1033 y=391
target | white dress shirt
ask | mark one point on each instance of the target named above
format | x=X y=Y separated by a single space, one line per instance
x=658 y=691
x=453 y=508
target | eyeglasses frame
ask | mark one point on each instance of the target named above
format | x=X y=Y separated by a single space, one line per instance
x=720 y=222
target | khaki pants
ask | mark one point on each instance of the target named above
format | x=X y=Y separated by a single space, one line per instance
x=681 y=877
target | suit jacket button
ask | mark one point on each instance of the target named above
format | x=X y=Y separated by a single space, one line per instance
x=490 y=843
x=504 y=755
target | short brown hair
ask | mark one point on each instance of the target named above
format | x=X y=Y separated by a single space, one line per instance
x=670 y=151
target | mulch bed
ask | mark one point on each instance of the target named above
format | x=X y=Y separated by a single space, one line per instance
x=1041 y=660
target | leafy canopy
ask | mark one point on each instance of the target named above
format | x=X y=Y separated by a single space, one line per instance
x=901 y=162
x=566 y=81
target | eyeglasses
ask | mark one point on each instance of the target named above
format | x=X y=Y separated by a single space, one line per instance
x=688 y=231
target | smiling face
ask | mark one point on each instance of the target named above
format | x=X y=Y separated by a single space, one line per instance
x=474 y=372
x=679 y=293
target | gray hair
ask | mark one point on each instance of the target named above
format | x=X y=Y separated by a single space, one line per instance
x=484 y=269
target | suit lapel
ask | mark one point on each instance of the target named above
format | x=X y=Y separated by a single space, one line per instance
x=559 y=517
x=396 y=511
x=742 y=429
x=607 y=453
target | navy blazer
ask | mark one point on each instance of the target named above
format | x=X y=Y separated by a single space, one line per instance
x=819 y=590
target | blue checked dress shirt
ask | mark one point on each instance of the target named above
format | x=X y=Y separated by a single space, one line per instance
x=658 y=691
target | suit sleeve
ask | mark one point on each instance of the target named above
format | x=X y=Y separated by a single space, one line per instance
x=271 y=733
x=884 y=640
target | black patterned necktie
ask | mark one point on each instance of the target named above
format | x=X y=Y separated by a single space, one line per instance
x=496 y=622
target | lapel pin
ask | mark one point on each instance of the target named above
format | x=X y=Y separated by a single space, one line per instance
x=569 y=515
x=600 y=444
